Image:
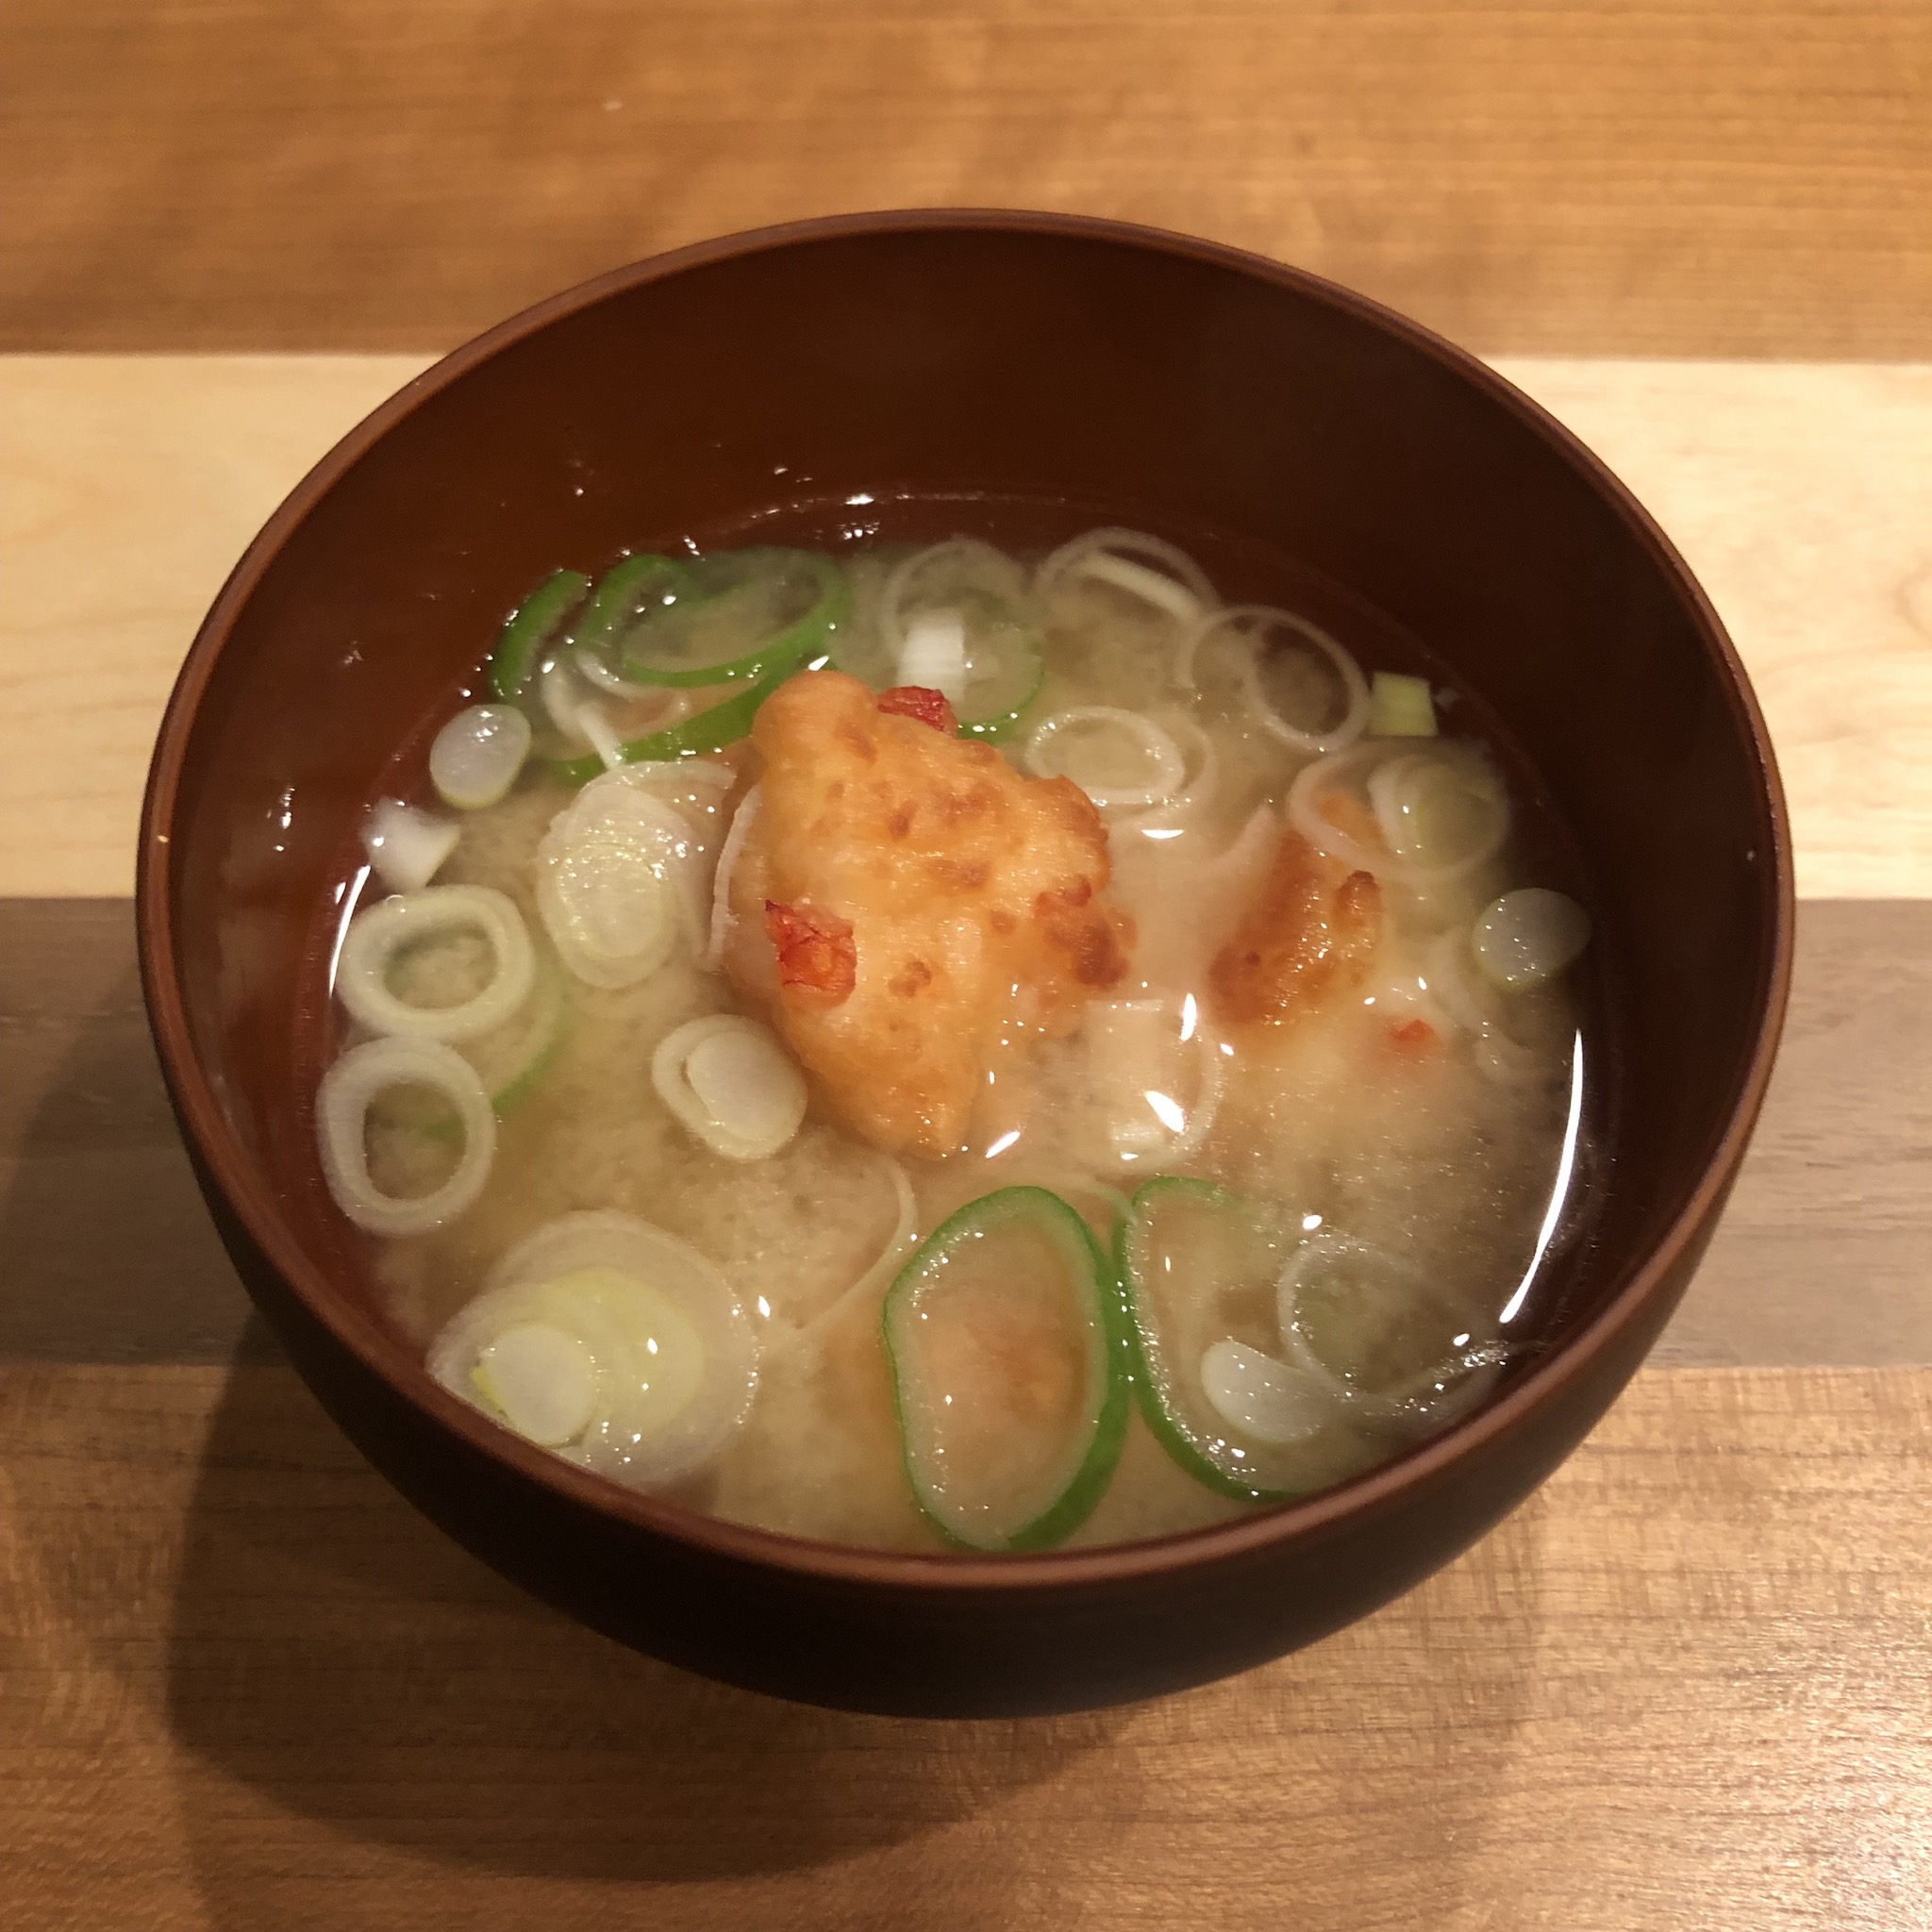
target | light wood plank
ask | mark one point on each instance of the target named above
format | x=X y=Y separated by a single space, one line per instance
x=1698 y=177
x=1802 y=495
x=242 y=1685
x=128 y=487
x=1802 y=498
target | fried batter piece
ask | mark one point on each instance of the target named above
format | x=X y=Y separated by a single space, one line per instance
x=906 y=907
x=1311 y=933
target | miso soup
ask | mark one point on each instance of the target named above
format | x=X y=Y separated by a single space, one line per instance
x=939 y=1048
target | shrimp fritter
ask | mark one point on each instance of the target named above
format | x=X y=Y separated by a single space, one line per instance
x=908 y=906
x=1311 y=933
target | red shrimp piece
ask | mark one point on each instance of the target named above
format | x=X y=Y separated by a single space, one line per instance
x=818 y=960
x=922 y=703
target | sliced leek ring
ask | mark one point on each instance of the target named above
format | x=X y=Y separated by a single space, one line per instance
x=998 y=1459
x=1252 y=623
x=730 y=1082
x=406 y=848
x=1436 y=830
x=1527 y=936
x=670 y=646
x=1148 y=569
x=1222 y=1242
x=1119 y=758
x=671 y=1353
x=378 y=933
x=955 y=617
x=341 y=1110
x=616 y=880
x=477 y=754
x=1381 y=1294
x=530 y=630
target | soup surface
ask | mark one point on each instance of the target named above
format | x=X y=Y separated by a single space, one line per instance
x=934 y=1048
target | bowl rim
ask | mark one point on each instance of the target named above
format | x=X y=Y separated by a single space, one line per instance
x=381 y=1352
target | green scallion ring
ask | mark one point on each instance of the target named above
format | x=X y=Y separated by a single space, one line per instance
x=531 y=626
x=784 y=651
x=1092 y=1455
x=705 y=731
x=615 y=601
x=1150 y=1384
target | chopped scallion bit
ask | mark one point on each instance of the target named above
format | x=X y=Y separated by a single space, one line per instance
x=1401 y=707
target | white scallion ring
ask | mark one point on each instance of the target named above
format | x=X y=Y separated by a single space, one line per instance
x=679 y=773
x=1169 y=579
x=1275 y=1402
x=597 y=730
x=1053 y=751
x=378 y=933
x=609 y=1341
x=342 y=1107
x=561 y=695
x=1434 y=1395
x=722 y=917
x=614 y=885
x=593 y=671
x=1528 y=937
x=729 y=1081
x=1324 y=835
x=1410 y=813
x=969 y=551
x=1498 y=1055
x=407 y=847
x=1197 y=789
x=874 y=1279
x=1256 y=620
x=477 y=754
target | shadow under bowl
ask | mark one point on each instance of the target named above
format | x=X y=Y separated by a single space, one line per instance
x=827 y=369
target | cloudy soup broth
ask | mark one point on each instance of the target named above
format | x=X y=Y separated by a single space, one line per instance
x=955 y=1047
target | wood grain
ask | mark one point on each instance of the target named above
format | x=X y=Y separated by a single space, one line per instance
x=1803 y=495
x=241 y=1685
x=127 y=490
x=1695 y=177
x=1824 y=1251
x=1803 y=501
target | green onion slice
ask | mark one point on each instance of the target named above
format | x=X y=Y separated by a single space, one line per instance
x=737 y=617
x=1008 y=1350
x=698 y=736
x=515 y=1060
x=512 y=1060
x=1199 y=1266
x=533 y=624
x=1005 y=666
x=627 y=591
x=1004 y=660
x=1401 y=707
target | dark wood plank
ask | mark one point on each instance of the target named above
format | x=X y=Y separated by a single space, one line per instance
x=106 y=1253
x=1824 y=1252
x=1700 y=177
x=1825 y=1255
x=242 y=1686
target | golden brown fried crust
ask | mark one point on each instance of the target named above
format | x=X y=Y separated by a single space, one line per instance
x=974 y=898
x=1311 y=933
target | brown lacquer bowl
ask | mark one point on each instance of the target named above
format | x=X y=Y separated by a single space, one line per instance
x=1049 y=361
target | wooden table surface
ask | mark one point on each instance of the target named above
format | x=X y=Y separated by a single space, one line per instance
x=1689 y=1685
